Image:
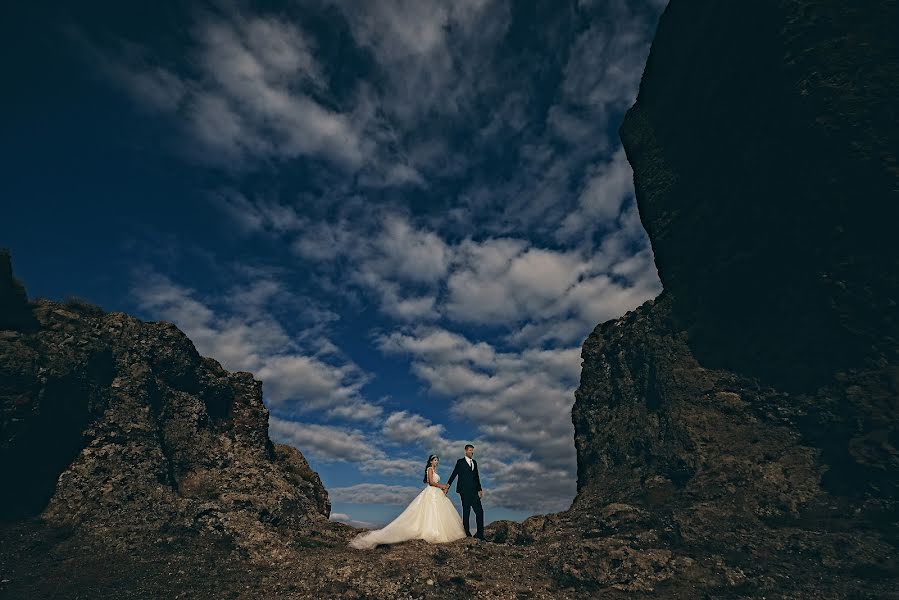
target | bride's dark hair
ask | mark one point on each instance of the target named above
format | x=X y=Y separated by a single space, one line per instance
x=430 y=458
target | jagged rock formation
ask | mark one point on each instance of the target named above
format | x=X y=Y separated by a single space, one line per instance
x=120 y=427
x=782 y=490
x=744 y=423
x=14 y=311
x=764 y=143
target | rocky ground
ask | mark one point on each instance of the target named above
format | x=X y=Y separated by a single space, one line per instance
x=623 y=556
x=37 y=561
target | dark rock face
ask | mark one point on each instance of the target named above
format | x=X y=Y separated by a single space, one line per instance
x=747 y=417
x=14 y=310
x=721 y=469
x=764 y=143
x=119 y=426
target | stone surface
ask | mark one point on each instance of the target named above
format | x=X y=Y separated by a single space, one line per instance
x=14 y=310
x=763 y=143
x=119 y=426
x=774 y=490
x=747 y=416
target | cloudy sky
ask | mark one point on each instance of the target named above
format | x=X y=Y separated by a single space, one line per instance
x=404 y=217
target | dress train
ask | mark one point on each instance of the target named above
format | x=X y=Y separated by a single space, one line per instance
x=430 y=516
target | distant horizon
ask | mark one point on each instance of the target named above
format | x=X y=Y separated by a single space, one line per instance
x=404 y=221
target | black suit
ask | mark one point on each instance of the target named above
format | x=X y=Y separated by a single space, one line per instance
x=468 y=486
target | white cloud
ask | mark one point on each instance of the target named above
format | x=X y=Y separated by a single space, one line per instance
x=455 y=379
x=437 y=344
x=375 y=493
x=416 y=276
x=401 y=264
x=348 y=520
x=356 y=411
x=530 y=485
x=556 y=156
x=309 y=381
x=252 y=66
x=430 y=52
x=324 y=442
x=605 y=63
x=527 y=283
x=602 y=197
x=519 y=402
x=329 y=444
x=248 y=337
x=409 y=253
x=404 y=427
x=554 y=294
x=393 y=466
x=258 y=216
x=155 y=88
x=253 y=95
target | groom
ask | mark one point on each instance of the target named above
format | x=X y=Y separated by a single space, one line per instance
x=469 y=487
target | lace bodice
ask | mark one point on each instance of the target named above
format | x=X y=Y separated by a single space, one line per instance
x=435 y=476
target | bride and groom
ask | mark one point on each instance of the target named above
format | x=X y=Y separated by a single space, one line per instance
x=431 y=516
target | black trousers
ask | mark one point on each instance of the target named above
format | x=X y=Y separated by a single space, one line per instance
x=470 y=501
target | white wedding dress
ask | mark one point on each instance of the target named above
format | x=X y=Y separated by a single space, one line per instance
x=431 y=516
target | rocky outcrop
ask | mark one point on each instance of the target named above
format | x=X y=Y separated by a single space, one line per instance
x=120 y=427
x=762 y=485
x=763 y=143
x=14 y=310
x=747 y=417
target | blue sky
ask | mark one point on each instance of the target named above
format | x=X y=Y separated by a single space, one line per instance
x=404 y=217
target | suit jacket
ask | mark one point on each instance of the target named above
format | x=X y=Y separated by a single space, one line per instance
x=469 y=479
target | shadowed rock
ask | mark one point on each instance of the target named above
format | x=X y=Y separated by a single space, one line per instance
x=119 y=426
x=748 y=414
x=763 y=143
x=15 y=312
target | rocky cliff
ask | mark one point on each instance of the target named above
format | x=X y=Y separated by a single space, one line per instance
x=746 y=419
x=120 y=427
x=763 y=143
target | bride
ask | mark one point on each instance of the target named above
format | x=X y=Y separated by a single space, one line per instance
x=431 y=516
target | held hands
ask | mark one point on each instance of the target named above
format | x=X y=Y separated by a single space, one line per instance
x=480 y=493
